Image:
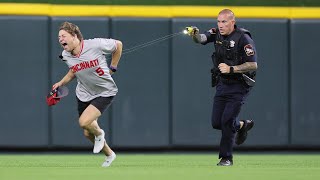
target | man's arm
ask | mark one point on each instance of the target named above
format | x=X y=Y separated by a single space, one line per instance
x=242 y=68
x=199 y=38
x=116 y=55
x=65 y=80
x=245 y=67
x=249 y=54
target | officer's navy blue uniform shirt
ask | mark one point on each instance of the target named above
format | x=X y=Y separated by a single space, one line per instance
x=246 y=45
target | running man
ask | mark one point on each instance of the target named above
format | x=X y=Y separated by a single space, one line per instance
x=96 y=88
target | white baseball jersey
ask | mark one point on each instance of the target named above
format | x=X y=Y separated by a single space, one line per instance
x=91 y=69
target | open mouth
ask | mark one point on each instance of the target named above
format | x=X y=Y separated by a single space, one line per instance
x=64 y=44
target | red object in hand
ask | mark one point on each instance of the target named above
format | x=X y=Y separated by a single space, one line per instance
x=55 y=95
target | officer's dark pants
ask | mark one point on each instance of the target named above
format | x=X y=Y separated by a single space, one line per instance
x=226 y=107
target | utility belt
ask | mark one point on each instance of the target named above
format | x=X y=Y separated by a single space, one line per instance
x=231 y=79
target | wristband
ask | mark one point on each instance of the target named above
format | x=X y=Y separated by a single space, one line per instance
x=231 y=70
x=112 y=68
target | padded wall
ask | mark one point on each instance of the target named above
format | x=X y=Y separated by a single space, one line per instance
x=142 y=106
x=24 y=77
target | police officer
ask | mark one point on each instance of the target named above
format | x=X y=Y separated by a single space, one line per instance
x=233 y=74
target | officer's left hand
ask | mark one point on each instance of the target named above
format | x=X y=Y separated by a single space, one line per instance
x=224 y=68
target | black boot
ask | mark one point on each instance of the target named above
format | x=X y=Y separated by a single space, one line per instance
x=243 y=132
x=225 y=162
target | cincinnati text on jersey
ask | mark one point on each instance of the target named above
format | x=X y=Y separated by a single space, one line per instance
x=84 y=65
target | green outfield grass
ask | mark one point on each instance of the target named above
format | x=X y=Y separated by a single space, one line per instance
x=160 y=167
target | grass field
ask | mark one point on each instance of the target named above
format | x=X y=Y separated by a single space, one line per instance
x=159 y=167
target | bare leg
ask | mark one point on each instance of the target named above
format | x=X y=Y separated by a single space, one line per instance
x=88 y=121
x=89 y=115
x=106 y=149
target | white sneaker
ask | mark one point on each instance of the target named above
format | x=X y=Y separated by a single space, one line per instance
x=109 y=160
x=99 y=142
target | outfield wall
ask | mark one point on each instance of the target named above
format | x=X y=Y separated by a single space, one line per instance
x=164 y=98
x=303 y=3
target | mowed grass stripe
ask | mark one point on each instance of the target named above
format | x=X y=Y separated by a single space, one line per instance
x=159 y=166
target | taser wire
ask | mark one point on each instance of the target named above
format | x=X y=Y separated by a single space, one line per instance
x=146 y=44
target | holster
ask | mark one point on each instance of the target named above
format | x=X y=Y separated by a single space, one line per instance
x=248 y=80
x=214 y=77
x=214 y=71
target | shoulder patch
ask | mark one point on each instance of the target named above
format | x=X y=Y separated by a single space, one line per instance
x=212 y=31
x=249 y=50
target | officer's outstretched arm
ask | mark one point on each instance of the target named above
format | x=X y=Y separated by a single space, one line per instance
x=199 y=38
x=193 y=31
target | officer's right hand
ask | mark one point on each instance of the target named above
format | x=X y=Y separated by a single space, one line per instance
x=192 y=30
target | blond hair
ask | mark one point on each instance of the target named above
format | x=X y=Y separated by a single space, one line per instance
x=229 y=13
